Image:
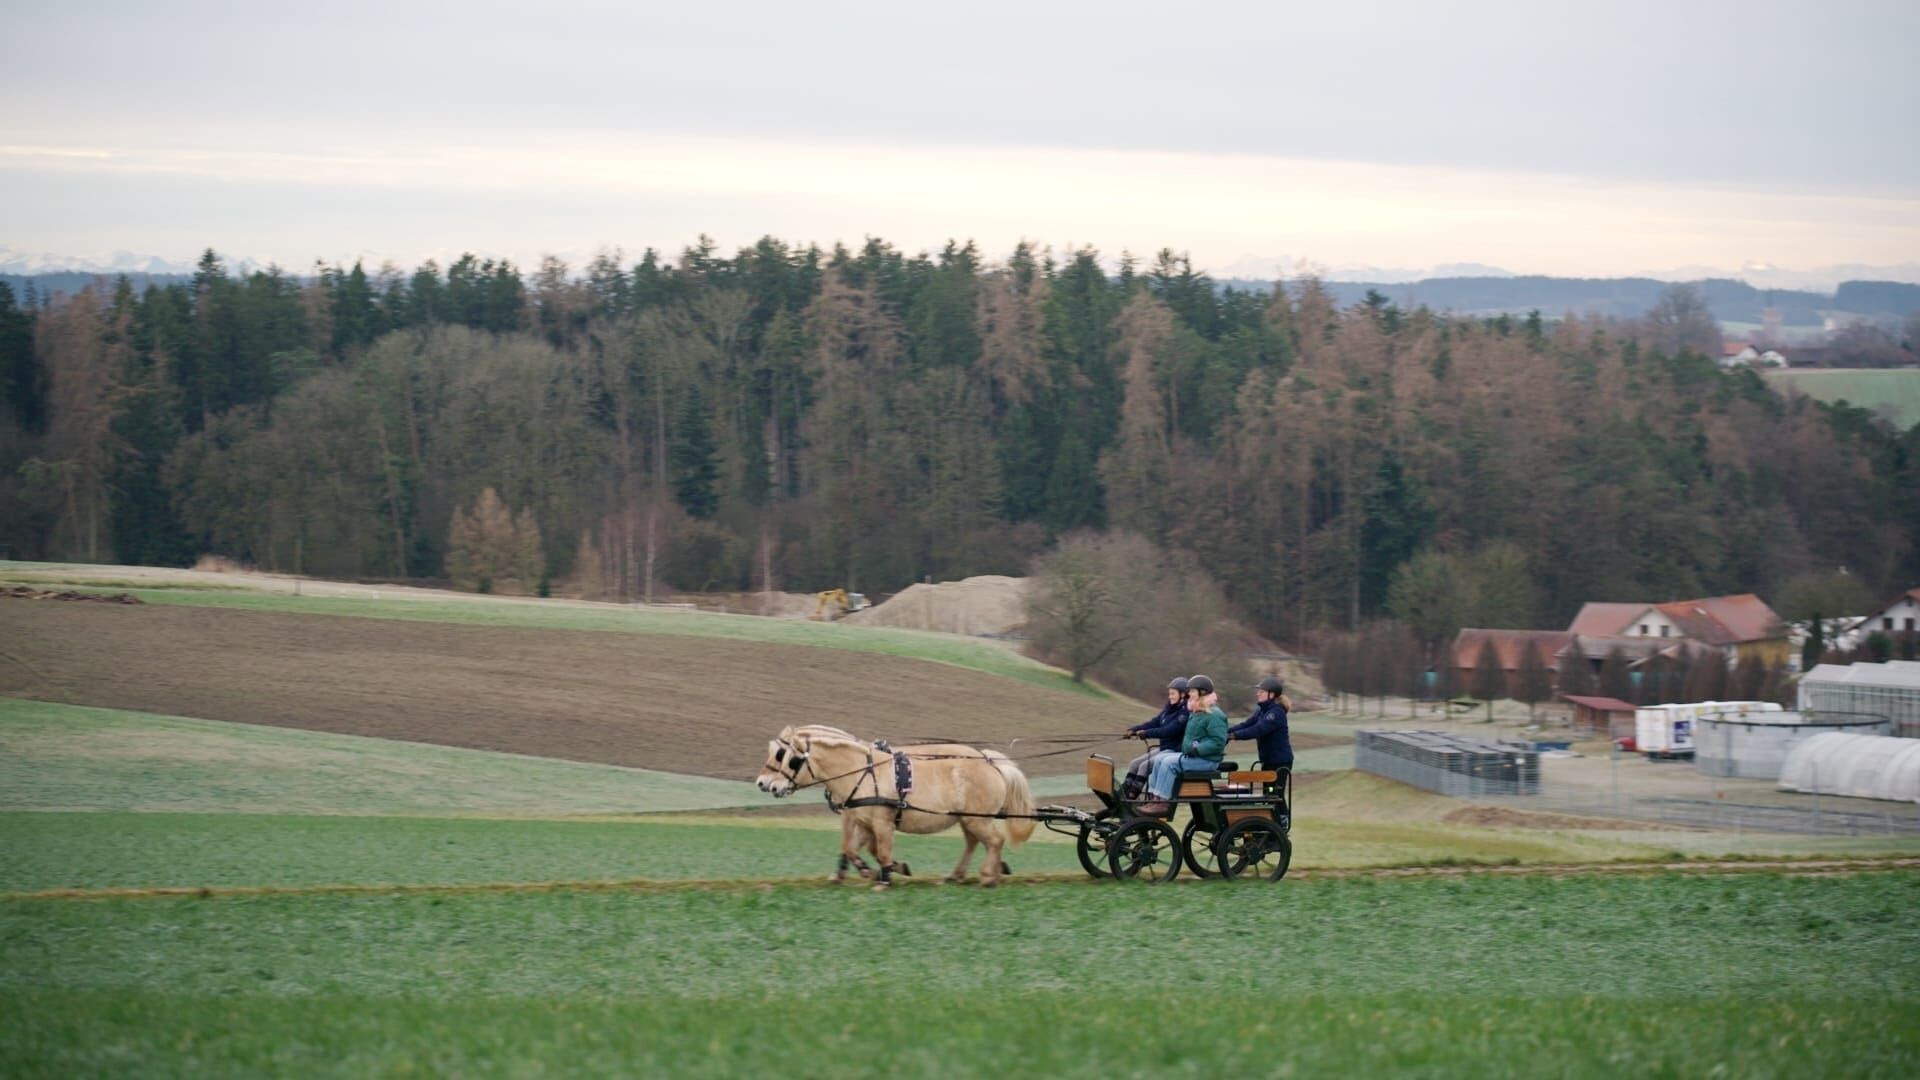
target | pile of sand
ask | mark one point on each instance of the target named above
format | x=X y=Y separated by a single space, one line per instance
x=989 y=604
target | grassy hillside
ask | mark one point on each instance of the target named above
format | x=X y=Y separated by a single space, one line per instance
x=66 y=757
x=1896 y=391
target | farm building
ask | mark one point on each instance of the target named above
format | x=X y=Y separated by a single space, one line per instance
x=1901 y=615
x=1756 y=744
x=1740 y=354
x=1509 y=645
x=1858 y=766
x=1741 y=627
x=1603 y=715
x=1890 y=690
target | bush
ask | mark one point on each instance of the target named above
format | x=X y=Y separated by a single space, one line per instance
x=1117 y=607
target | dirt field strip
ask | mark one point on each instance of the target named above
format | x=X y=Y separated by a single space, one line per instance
x=1809 y=867
x=675 y=704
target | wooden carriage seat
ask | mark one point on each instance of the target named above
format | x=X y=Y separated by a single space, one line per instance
x=1100 y=774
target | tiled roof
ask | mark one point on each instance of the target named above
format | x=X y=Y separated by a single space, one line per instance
x=1725 y=620
x=1605 y=619
x=1509 y=645
x=1608 y=704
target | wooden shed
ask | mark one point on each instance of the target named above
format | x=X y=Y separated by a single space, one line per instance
x=1602 y=715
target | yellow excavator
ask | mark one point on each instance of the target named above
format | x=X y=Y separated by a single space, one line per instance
x=834 y=603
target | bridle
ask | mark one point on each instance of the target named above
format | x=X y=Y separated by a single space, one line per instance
x=790 y=761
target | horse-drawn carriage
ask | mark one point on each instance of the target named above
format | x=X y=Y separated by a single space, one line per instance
x=1239 y=825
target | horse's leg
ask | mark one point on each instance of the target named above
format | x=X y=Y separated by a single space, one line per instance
x=990 y=869
x=849 y=849
x=883 y=852
x=960 y=871
x=862 y=837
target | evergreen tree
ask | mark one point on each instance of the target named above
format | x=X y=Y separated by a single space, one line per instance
x=1533 y=681
x=693 y=460
x=22 y=382
x=1073 y=491
x=1489 y=681
x=1399 y=521
x=1616 y=677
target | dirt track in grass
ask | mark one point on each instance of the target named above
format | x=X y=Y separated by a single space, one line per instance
x=679 y=704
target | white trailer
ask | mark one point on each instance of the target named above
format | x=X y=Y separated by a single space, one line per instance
x=1666 y=731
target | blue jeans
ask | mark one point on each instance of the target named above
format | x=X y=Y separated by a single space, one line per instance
x=1168 y=767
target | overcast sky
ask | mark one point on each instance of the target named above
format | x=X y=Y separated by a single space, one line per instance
x=1555 y=138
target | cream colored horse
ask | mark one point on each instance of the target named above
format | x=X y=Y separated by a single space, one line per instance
x=952 y=785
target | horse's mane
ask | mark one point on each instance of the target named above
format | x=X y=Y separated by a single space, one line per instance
x=816 y=731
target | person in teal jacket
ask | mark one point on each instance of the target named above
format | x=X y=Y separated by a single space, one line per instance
x=1202 y=745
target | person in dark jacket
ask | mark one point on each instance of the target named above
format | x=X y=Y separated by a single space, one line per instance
x=1267 y=727
x=1204 y=743
x=1167 y=726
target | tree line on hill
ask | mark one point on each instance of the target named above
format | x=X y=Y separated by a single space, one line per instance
x=805 y=418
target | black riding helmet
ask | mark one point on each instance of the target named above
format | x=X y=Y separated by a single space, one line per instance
x=1200 y=683
x=1271 y=685
x=1179 y=683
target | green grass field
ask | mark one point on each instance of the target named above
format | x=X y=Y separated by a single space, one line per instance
x=69 y=757
x=359 y=906
x=1743 y=975
x=1897 y=390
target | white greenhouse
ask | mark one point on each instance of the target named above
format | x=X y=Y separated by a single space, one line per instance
x=1858 y=766
x=1890 y=690
x=1755 y=745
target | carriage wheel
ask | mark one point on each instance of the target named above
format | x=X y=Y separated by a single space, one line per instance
x=1091 y=846
x=1201 y=860
x=1255 y=847
x=1145 y=849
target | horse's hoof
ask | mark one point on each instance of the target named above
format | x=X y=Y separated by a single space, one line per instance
x=838 y=878
x=902 y=869
x=882 y=886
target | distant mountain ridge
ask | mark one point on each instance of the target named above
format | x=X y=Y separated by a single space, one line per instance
x=1731 y=301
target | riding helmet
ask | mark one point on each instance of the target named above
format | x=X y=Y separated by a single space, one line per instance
x=1271 y=685
x=1179 y=683
x=1200 y=683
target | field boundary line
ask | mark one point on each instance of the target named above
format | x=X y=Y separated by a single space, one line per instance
x=1811 y=866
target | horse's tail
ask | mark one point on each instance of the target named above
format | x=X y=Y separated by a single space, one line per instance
x=1019 y=802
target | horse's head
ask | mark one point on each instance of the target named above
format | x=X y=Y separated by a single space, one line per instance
x=786 y=760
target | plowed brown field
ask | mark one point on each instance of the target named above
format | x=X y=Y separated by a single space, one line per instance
x=689 y=705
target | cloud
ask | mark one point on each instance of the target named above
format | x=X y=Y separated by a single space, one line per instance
x=486 y=190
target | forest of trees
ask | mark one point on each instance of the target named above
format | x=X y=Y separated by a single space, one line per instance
x=804 y=418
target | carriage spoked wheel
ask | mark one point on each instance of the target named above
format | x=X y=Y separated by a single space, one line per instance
x=1254 y=847
x=1201 y=860
x=1091 y=846
x=1145 y=849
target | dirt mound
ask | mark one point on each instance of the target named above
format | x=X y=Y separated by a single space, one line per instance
x=23 y=592
x=217 y=564
x=989 y=604
x=655 y=701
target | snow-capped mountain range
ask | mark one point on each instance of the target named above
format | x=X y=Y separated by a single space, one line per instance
x=28 y=263
x=1251 y=268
